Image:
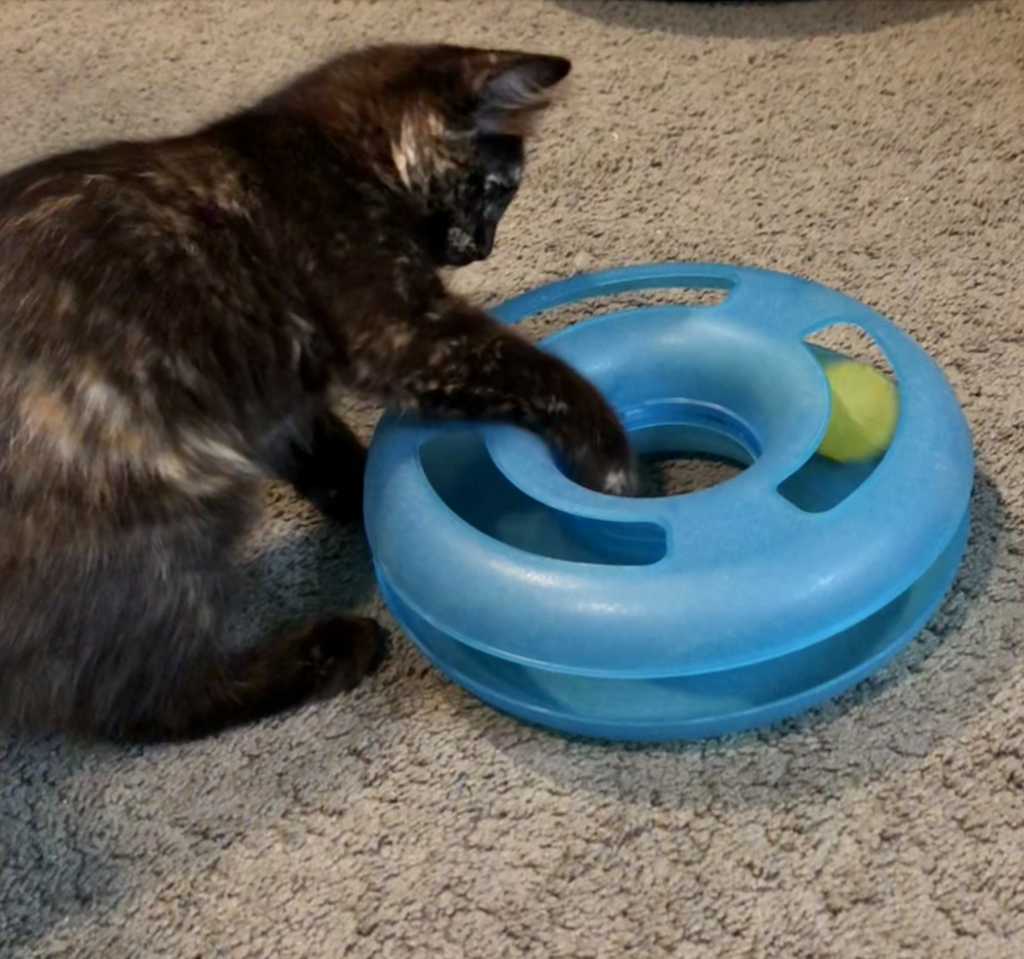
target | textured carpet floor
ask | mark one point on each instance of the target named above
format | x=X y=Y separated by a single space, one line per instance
x=876 y=146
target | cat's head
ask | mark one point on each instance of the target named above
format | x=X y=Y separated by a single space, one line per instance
x=449 y=125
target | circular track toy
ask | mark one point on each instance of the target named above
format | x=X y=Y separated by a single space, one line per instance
x=677 y=617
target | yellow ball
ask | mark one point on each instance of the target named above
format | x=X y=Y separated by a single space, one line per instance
x=865 y=408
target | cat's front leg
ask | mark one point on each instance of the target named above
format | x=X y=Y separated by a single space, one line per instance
x=325 y=463
x=458 y=362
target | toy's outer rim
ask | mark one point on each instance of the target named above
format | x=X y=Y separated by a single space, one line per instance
x=708 y=726
x=627 y=279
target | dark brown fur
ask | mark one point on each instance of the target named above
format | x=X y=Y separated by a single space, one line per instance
x=180 y=318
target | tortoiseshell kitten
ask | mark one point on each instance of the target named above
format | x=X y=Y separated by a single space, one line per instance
x=179 y=319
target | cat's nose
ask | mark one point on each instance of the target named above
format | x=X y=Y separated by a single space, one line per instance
x=465 y=248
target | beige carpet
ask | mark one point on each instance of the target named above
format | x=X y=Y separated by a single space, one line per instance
x=876 y=146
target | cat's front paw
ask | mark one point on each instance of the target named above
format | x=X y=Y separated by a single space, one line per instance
x=600 y=457
x=593 y=444
x=621 y=480
x=335 y=654
x=617 y=476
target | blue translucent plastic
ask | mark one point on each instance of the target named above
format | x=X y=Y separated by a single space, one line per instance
x=679 y=616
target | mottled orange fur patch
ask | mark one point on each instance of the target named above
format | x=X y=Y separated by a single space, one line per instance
x=42 y=213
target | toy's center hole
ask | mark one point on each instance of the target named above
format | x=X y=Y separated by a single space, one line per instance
x=685 y=447
x=675 y=475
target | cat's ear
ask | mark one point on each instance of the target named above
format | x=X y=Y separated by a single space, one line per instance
x=512 y=88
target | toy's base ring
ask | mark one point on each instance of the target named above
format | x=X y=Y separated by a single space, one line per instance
x=688 y=707
x=678 y=616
